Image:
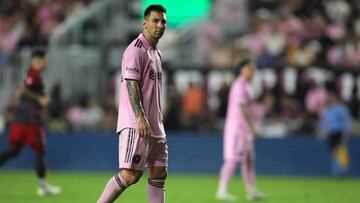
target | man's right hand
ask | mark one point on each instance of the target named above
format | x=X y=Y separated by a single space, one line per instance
x=143 y=126
x=44 y=101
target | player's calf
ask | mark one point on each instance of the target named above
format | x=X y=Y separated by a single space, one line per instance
x=8 y=154
x=156 y=183
x=113 y=189
x=118 y=183
x=156 y=190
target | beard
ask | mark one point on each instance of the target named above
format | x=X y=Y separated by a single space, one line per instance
x=158 y=34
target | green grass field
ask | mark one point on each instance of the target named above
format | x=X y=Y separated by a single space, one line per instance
x=78 y=187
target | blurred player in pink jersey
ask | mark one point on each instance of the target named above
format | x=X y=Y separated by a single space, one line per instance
x=239 y=133
x=142 y=140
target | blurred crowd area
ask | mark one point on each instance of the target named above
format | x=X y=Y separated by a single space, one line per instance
x=28 y=23
x=299 y=33
x=285 y=38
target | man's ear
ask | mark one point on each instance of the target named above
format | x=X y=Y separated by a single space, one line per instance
x=144 y=23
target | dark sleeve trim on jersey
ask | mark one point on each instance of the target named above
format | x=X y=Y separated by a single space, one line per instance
x=138 y=43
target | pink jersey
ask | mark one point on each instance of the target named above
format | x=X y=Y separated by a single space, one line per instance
x=143 y=63
x=235 y=123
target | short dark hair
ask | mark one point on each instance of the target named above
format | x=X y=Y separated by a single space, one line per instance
x=38 y=53
x=154 y=7
x=241 y=64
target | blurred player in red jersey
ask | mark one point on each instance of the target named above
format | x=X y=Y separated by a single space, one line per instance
x=27 y=128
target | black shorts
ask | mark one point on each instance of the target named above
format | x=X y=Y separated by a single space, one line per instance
x=335 y=140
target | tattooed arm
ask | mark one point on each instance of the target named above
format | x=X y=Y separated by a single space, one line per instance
x=134 y=96
x=135 y=100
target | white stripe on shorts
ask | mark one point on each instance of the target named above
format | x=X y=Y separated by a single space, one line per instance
x=130 y=145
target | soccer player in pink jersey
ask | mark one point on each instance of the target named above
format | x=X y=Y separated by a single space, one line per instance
x=239 y=133
x=142 y=139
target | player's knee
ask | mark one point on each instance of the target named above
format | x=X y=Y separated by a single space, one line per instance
x=157 y=177
x=130 y=177
x=163 y=174
x=158 y=173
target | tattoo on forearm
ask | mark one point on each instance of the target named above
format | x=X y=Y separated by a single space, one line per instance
x=134 y=96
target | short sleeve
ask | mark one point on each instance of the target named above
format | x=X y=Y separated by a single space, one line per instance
x=133 y=64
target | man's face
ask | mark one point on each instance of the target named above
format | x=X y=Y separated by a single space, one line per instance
x=249 y=71
x=39 y=63
x=155 y=24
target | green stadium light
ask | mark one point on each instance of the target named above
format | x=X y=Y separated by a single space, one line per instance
x=181 y=11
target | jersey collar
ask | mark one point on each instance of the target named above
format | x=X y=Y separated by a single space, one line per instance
x=147 y=44
x=32 y=69
x=243 y=79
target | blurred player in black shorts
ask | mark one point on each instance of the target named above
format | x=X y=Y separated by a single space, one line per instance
x=336 y=125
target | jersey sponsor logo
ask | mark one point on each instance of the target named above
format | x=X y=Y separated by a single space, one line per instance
x=136 y=70
x=138 y=43
x=153 y=75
